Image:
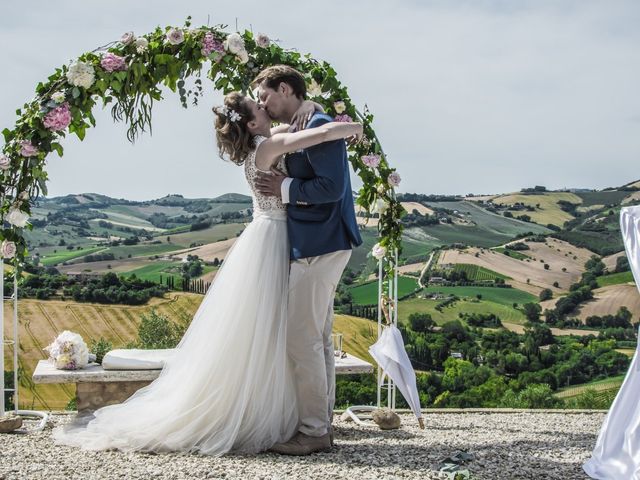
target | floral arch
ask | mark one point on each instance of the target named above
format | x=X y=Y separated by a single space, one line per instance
x=128 y=74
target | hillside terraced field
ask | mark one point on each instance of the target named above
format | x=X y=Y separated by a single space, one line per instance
x=607 y=301
x=549 y=210
x=552 y=252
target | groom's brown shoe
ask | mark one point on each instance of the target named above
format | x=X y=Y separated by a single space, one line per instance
x=302 y=444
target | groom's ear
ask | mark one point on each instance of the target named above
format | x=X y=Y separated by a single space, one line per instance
x=285 y=88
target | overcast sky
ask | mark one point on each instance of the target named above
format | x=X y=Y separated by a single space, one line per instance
x=468 y=96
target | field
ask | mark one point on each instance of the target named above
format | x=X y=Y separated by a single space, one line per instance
x=607 y=300
x=556 y=253
x=367 y=294
x=612 y=383
x=410 y=206
x=63 y=255
x=506 y=313
x=215 y=233
x=610 y=261
x=41 y=321
x=549 y=211
x=501 y=296
x=478 y=274
x=512 y=253
x=615 y=279
x=609 y=197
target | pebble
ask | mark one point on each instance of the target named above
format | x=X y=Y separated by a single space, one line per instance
x=525 y=445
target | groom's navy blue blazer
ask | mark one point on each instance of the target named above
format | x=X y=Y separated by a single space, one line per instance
x=320 y=215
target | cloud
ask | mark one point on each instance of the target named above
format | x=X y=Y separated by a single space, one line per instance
x=482 y=96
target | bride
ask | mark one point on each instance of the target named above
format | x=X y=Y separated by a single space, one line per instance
x=228 y=385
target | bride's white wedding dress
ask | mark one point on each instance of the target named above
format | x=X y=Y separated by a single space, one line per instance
x=228 y=385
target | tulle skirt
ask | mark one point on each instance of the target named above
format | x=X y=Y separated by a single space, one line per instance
x=229 y=384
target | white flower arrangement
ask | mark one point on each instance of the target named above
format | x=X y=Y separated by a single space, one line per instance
x=17 y=217
x=141 y=44
x=234 y=43
x=68 y=351
x=378 y=251
x=81 y=74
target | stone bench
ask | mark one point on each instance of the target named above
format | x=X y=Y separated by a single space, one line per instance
x=97 y=387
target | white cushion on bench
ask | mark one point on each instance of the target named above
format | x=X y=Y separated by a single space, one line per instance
x=136 y=359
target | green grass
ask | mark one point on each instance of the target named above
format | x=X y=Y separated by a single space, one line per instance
x=123 y=251
x=615 y=279
x=154 y=270
x=611 y=383
x=367 y=294
x=476 y=273
x=502 y=296
x=601 y=198
x=512 y=253
x=208 y=235
x=506 y=313
x=65 y=255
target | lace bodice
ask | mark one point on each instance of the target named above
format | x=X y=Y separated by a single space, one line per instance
x=261 y=202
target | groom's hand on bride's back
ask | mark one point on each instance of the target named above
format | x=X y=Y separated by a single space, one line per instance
x=269 y=184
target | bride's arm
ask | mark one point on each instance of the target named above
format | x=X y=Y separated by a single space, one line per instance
x=270 y=149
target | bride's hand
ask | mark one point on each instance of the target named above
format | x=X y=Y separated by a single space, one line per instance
x=303 y=115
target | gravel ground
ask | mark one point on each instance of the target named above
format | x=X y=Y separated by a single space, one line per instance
x=522 y=445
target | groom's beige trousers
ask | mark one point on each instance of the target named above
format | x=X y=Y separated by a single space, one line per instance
x=312 y=287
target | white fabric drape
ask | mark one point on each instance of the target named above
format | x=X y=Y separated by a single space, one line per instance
x=616 y=455
x=228 y=385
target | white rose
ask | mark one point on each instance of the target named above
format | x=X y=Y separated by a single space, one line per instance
x=381 y=189
x=262 y=40
x=234 y=43
x=243 y=56
x=23 y=195
x=8 y=249
x=378 y=251
x=127 y=38
x=380 y=206
x=340 y=107
x=58 y=97
x=5 y=162
x=17 y=217
x=81 y=74
x=314 y=89
x=141 y=44
x=175 y=36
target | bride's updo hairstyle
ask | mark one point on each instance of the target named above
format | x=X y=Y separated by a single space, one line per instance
x=232 y=135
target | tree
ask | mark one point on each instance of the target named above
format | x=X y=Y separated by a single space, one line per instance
x=532 y=311
x=421 y=322
x=546 y=294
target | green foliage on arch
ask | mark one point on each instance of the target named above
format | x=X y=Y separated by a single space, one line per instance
x=128 y=75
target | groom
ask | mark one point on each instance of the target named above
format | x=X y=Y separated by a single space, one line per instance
x=322 y=228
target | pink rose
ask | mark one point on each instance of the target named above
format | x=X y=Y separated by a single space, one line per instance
x=28 y=149
x=343 y=118
x=5 y=162
x=113 y=63
x=394 y=179
x=371 y=161
x=59 y=118
x=8 y=249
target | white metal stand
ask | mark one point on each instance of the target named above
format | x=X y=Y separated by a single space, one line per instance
x=16 y=346
x=360 y=413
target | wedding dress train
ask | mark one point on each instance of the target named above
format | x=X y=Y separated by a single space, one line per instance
x=228 y=386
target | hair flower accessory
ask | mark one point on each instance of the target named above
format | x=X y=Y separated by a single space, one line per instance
x=230 y=113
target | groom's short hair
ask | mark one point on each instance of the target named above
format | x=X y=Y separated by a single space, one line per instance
x=276 y=74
